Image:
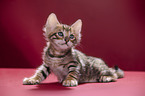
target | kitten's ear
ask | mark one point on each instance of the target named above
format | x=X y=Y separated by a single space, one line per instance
x=51 y=23
x=77 y=26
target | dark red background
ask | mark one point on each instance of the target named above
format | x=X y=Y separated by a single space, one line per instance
x=112 y=30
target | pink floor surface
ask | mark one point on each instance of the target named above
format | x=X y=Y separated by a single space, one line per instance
x=133 y=84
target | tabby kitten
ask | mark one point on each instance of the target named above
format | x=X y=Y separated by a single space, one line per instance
x=68 y=64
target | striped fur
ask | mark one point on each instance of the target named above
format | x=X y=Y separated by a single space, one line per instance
x=70 y=65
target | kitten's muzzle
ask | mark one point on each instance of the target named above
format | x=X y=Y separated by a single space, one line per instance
x=66 y=40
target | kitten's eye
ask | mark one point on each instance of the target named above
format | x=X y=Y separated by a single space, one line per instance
x=60 y=34
x=71 y=36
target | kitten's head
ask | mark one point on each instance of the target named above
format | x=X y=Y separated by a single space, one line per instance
x=62 y=36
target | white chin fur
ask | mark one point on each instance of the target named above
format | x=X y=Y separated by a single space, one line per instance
x=64 y=46
x=60 y=44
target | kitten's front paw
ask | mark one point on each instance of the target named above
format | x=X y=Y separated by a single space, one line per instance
x=70 y=83
x=30 y=81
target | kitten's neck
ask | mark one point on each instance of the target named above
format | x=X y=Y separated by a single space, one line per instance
x=57 y=52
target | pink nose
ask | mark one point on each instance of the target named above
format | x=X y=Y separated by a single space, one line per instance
x=66 y=39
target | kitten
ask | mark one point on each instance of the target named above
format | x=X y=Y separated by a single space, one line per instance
x=68 y=64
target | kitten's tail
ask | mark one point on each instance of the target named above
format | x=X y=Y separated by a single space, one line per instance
x=119 y=72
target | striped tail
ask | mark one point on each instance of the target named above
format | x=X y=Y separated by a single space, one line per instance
x=119 y=72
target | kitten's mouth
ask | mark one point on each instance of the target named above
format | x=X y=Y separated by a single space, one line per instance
x=63 y=44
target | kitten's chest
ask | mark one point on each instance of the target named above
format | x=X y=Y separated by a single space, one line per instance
x=58 y=64
x=54 y=62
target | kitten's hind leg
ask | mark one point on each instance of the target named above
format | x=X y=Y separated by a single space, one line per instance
x=108 y=76
x=41 y=73
x=105 y=79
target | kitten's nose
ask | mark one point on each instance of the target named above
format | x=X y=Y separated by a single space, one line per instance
x=66 y=39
